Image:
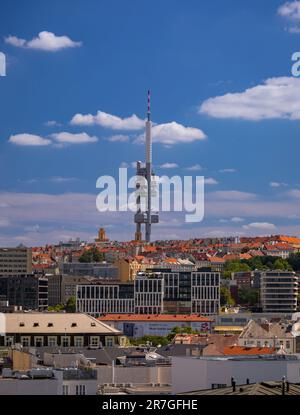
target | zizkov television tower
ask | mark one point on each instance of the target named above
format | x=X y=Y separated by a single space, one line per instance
x=146 y=217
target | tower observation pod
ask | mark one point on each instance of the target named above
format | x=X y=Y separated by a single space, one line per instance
x=146 y=217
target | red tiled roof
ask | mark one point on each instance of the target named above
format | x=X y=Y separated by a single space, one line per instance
x=240 y=350
x=155 y=317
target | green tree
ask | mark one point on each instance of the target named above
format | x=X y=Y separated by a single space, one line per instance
x=294 y=261
x=225 y=296
x=248 y=296
x=71 y=305
x=91 y=255
x=282 y=264
x=56 y=308
x=234 y=266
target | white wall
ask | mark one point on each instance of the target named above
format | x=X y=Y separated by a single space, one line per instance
x=134 y=374
x=30 y=387
x=190 y=374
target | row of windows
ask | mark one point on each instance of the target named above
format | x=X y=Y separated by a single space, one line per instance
x=205 y=307
x=148 y=299
x=53 y=341
x=205 y=293
x=99 y=306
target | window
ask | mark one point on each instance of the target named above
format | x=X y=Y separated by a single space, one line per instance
x=25 y=341
x=65 y=389
x=65 y=341
x=38 y=341
x=9 y=340
x=288 y=344
x=52 y=341
x=80 y=390
x=94 y=341
x=109 y=341
x=78 y=341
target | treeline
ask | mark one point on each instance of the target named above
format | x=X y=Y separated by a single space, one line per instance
x=263 y=263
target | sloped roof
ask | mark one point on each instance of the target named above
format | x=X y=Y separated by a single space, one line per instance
x=263 y=388
x=240 y=350
x=56 y=323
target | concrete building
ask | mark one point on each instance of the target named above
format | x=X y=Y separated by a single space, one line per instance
x=54 y=289
x=97 y=299
x=48 y=381
x=127 y=269
x=15 y=261
x=278 y=291
x=27 y=291
x=138 y=325
x=92 y=269
x=163 y=291
x=57 y=329
x=149 y=295
x=283 y=336
x=69 y=284
x=200 y=373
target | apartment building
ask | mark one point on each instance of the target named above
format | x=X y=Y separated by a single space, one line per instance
x=15 y=261
x=97 y=299
x=162 y=291
x=149 y=295
x=278 y=291
x=27 y=291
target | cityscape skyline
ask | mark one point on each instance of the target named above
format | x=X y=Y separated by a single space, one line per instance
x=63 y=124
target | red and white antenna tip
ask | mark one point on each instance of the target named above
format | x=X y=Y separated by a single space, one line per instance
x=149 y=110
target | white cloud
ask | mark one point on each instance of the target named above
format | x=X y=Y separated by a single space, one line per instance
x=173 y=133
x=69 y=138
x=232 y=195
x=290 y=10
x=120 y=138
x=169 y=166
x=210 y=181
x=4 y=223
x=275 y=98
x=46 y=41
x=195 y=167
x=260 y=226
x=227 y=171
x=109 y=121
x=59 y=179
x=28 y=140
x=277 y=184
x=237 y=220
x=52 y=123
x=294 y=193
x=294 y=29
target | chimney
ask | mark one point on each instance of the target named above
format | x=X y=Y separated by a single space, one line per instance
x=283 y=386
x=233 y=384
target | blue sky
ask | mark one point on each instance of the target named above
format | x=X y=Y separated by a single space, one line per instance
x=190 y=54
